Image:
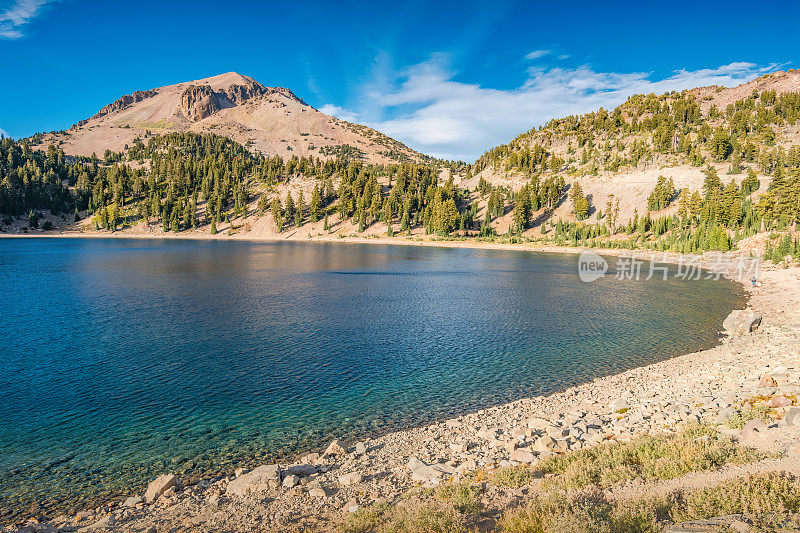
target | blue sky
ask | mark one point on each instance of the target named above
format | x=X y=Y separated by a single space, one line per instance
x=448 y=78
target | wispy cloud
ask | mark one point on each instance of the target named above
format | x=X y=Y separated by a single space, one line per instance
x=4 y=133
x=427 y=109
x=536 y=54
x=338 y=112
x=17 y=15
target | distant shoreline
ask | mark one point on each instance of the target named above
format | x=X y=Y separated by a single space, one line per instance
x=666 y=257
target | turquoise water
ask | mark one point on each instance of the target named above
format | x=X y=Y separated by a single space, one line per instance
x=125 y=358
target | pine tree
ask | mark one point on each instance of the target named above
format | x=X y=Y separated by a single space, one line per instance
x=289 y=210
x=315 y=205
x=300 y=211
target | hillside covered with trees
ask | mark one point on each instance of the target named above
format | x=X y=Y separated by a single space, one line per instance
x=705 y=178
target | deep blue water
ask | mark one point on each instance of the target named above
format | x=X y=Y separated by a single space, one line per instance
x=124 y=358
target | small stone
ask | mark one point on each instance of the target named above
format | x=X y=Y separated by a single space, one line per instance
x=361 y=448
x=158 y=487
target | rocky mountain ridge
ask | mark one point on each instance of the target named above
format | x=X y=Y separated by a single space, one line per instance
x=270 y=120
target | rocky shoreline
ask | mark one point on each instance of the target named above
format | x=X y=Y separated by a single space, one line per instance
x=318 y=491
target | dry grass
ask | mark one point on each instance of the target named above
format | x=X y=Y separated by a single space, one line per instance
x=514 y=476
x=767 y=500
x=574 y=498
x=649 y=458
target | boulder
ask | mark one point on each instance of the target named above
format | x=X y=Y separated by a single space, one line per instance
x=308 y=458
x=351 y=506
x=290 y=481
x=792 y=417
x=523 y=455
x=361 y=448
x=260 y=480
x=538 y=423
x=544 y=444
x=159 y=486
x=428 y=473
x=133 y=501
x=350 y=479
x=317 y=492
x=302 y=470
x=740 y=322
x=752 y=429
x=619 y=405
x=780 y=401
x=336 y=447
x=467 y=466
x=767 y=381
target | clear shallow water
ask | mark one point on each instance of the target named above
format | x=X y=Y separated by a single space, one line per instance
x=122 y=359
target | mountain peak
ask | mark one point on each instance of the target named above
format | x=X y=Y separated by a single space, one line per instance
x=271 y=120
x=223 y=81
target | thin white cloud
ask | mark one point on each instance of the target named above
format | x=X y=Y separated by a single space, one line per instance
x=431 y=112
x=338 y=112
x=17 y=15
x=536 y=54
x=4 y=133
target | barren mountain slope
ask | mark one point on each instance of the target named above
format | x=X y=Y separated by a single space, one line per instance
x=271 y=120
x=610 y=166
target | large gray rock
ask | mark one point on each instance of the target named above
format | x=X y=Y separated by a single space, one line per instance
x=159 y=486
x=740 y=322
x=260 y=480
x=302 y=470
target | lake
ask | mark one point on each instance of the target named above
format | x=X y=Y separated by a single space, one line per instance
x=123 y=359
